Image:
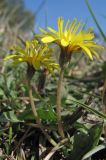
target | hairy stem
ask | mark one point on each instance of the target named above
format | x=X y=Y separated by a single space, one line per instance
x=37 y=117
x=33 y=105
x=58 y=103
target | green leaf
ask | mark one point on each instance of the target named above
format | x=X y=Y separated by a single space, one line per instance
x=81 y=127
x=1 y=92
x=27 y=115
x=11 y=116
x=84 y=142
x=47 y=113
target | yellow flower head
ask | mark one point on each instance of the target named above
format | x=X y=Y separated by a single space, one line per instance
x=35 y=54
x=71 y=38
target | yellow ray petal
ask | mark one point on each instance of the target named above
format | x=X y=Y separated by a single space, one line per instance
x=43 y=31
x=95 y=54
x=48 y=39
x=10 y=57
x=72 y=24
x=60 y=26
x=52 y=30
x=76 y=27
x=87 y=51
x=66 y=26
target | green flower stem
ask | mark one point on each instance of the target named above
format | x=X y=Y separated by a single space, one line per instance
x=58 y=103
x=37 y=117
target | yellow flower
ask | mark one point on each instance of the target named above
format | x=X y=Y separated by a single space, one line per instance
x=35 y=54
x=72 y=38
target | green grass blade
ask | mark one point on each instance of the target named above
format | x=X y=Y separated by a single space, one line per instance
x=10 y=135
x=92 y=110
x=95 y=20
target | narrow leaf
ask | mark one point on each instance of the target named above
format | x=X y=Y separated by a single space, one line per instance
x=95 y=20
x=99 y=114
